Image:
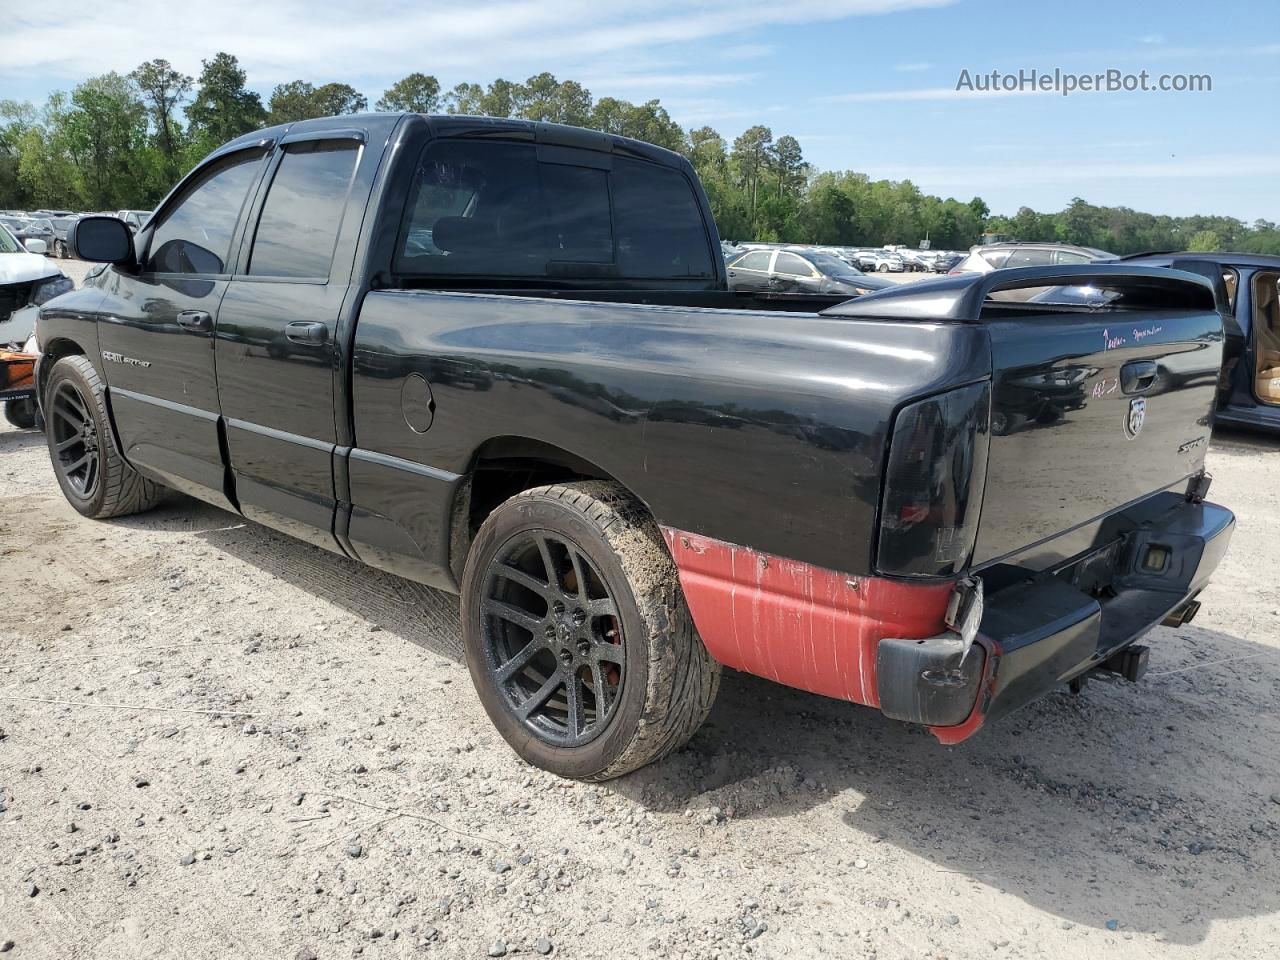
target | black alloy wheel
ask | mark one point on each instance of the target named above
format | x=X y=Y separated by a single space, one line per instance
x=552 y=638
x=74 y=440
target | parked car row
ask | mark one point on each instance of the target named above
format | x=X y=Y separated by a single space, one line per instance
x=27 y=280
x=50 y=227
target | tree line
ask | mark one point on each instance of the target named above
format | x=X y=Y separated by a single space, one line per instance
x=121 y=141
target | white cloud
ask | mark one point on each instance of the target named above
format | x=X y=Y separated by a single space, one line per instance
x=746 y=51
x=664 y=81
x=925 y=93
x=912 y=67
x=325 y=39
x=1209 y=167
x=1152 y=38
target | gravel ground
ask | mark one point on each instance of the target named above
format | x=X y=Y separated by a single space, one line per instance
x=217 y=742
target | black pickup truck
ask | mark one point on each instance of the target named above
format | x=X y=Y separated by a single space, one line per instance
x=500 y=358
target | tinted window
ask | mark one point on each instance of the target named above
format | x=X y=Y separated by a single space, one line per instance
x=493 y=209
x=1029 y=258
x=997 y=258
x=473 y=210
x=303 y=210
x=194 y=235
x=755 y=260
x=658 y=223
x=792 y=265
x=1066 y=256
x=575 y=203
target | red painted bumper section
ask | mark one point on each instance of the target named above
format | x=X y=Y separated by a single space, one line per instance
x=801 y=625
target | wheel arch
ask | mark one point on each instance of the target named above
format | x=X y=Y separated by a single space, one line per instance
x=54 y=350
x=504 y=466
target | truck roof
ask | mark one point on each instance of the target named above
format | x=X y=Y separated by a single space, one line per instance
x=1233 y=259
x=450 y=125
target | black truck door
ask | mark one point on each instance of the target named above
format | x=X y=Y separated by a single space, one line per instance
x=156 y=329
x=276 y=344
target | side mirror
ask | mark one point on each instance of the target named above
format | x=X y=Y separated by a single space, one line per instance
x=35 y=246
x=101 y=240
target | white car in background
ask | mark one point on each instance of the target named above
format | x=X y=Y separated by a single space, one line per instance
x=27 y=279
x=880 y=261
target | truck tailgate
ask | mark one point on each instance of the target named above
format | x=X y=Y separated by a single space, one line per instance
x=1091 y=412
x=1103 y=379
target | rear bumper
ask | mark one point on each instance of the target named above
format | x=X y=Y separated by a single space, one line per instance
x=1049 y=628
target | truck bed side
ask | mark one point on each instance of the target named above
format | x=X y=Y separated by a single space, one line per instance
x=749 y=427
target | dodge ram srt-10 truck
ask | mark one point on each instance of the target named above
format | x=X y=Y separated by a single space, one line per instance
x=500 y=358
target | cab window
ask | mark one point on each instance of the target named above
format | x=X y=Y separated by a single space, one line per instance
x=501 y=209
x=194 y=233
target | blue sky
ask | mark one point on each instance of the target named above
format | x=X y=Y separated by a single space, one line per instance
x=866 y=85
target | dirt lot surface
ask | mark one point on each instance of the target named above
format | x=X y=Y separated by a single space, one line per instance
x=216 y=742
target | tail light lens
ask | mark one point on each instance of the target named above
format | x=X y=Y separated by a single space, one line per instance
x=934 y=482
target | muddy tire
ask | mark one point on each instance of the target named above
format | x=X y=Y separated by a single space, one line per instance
x=21 y=413
x=577 y=634
x=82 y=447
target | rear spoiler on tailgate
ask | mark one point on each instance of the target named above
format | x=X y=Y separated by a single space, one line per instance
x=962 y=297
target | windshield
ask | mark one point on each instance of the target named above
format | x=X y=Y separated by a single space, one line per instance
x=832 y=266
x=8 y=242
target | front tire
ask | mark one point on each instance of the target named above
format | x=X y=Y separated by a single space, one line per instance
x=577 y=634
x=94 y=477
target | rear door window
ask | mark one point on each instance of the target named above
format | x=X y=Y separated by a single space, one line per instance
x=1029 y=258
x=755 y=260
x=194 y=233
x=303 y=210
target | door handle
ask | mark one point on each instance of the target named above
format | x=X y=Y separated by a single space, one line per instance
x=309 y=332
x=195 y=320
x=1137 y=375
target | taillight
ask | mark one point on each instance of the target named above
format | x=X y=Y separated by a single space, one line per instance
x=934 y=482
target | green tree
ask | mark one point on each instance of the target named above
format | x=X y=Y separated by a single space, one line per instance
x=162 y=90
x=750 y=158
x=104 y=133
x=543 y=97
x=223 y=107
x=416 y=93
x=1205 y=241
x=299 y=100
x=786 y=162
x=15 y=120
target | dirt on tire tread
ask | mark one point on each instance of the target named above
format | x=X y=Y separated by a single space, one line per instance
x=683 y=677
x=125 y=490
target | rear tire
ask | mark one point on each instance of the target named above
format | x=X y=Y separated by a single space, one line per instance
x=94 y=477
x=600 y=607
x=21 y=413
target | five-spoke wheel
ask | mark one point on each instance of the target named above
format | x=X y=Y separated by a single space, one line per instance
x=552 y=637
x=577 y=634
x=73 y=439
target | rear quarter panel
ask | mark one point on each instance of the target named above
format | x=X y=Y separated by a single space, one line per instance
x=761 y=429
